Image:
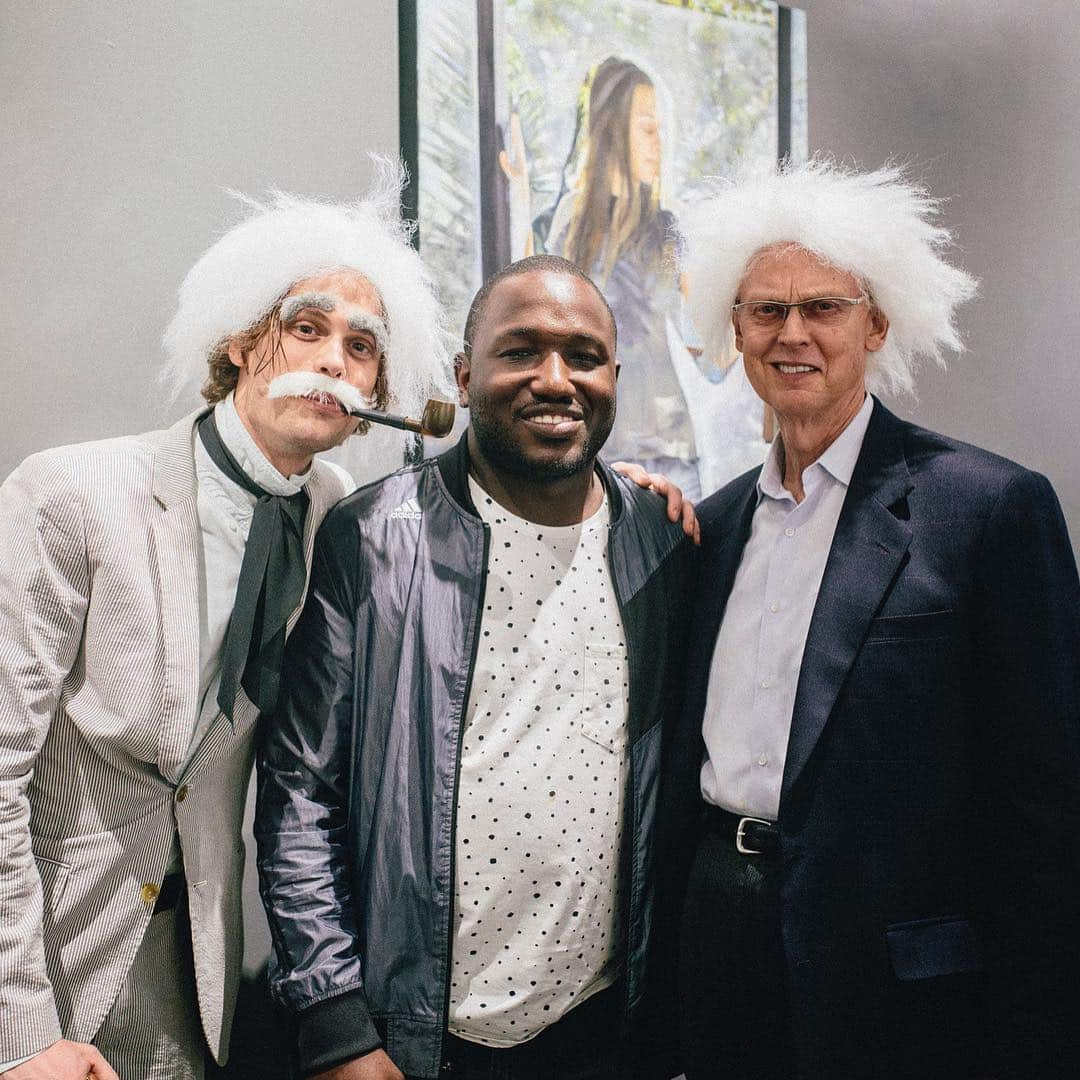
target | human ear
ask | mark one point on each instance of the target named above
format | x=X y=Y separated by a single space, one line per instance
x=461 y=377
x=237 y=356
x=877 y=330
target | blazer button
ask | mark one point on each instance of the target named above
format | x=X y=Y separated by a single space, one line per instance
x=149 y=893
x=181 y=792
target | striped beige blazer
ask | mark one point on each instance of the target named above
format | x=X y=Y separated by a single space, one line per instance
x=99 y=665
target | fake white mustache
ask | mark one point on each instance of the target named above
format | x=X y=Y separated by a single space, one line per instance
x=437 y=419
x=308 y=383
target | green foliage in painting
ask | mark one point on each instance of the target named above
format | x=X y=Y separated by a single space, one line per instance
x=748 y=10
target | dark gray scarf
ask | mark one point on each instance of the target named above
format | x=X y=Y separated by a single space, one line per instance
x=272 y=578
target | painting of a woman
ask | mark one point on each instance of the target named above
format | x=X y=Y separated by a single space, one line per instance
x=613 y=225
x=589 y=131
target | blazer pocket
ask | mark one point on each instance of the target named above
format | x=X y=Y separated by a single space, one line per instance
x=930 y=948
x=54 y=879
x=921 y=625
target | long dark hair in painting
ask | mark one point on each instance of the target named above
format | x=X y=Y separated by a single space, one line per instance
x=618 y=190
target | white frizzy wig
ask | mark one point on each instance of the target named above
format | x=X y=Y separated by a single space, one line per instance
x=245 y=273
x=877 y=226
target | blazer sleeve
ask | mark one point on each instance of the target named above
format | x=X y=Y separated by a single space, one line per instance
x=302 y=824
x=44 y=592
x=1028 y=655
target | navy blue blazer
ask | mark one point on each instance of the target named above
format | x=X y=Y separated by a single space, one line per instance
x=930 y=808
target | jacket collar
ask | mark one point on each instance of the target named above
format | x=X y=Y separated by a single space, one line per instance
x=453 y=466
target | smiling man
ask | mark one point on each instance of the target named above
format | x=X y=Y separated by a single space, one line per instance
x=456 y=814
x=146 y=587
x=882 y=741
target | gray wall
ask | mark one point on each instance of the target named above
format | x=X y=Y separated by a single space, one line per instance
x=123 y=123
x=983 y=96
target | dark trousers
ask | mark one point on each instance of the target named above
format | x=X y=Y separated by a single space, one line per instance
x=583 y=1045
x=735 y=1018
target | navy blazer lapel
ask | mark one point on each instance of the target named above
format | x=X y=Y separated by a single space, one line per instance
x=867 y=550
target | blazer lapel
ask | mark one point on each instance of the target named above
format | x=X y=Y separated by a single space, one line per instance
x=867 y=550
x=177 y=546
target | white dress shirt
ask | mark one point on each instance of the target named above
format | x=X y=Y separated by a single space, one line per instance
x=758 y=655
x=225 y=512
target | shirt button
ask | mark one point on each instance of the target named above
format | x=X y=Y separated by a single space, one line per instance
x=789 y=531
x=774 y=607
x=149 y=893
x=763 y=759
x=765 y=684
x=181 y=793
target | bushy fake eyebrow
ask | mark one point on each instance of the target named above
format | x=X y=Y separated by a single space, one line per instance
x=366 y=322
x=291 y=306
x=360 y=321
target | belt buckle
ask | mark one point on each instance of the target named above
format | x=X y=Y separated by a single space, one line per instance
x=740 y=832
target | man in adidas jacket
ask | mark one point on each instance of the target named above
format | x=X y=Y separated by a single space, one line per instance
x=457 y=796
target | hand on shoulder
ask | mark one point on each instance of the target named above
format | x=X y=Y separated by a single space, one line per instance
x=678 y=508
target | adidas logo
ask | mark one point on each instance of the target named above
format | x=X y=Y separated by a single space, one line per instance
x=409 y=510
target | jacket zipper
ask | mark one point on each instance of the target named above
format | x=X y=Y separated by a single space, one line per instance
x=630 y=781
x=450 y=885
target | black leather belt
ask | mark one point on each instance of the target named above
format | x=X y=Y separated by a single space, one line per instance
x=751 y=836
x=172 y=888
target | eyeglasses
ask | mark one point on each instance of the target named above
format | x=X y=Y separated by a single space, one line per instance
x=820 y=310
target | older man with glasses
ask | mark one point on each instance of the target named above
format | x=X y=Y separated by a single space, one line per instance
x=881 y=761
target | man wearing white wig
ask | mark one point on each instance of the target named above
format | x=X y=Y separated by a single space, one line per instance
x=146 y=587
x=882 y=749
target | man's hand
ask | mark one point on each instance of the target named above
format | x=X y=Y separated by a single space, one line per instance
x=677 y=506
x=64 y=1060
x=374 y=1066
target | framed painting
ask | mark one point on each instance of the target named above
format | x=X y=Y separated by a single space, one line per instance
x=586 y=130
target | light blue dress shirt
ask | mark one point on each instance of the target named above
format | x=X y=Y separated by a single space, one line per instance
x=758 y=654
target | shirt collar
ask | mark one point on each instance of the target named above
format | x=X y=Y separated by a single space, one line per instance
x=838 y=461
x=249 y=457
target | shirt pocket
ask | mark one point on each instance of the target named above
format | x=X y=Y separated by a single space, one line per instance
x=605 y=696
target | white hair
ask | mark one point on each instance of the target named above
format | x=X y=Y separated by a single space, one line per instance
x=245 y=273
x=876 y=226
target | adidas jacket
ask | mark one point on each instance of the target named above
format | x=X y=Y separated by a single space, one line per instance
x=358 y=771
